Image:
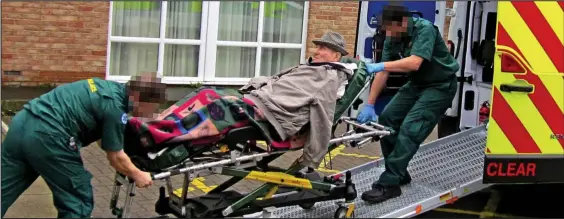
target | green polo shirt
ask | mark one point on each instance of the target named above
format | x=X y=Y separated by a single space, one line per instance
x=425 y=41
x=86 y=110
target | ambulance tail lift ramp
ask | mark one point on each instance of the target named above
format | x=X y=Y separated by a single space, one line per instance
x=442 y=172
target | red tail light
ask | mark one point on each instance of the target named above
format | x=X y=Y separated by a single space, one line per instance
x=510 y=64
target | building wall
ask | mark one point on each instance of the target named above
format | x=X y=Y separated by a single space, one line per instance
x=449 y=4
x=341 y=17
x=53 y=42
x=60 y=42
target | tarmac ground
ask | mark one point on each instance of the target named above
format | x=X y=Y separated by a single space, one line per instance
x=500 y=201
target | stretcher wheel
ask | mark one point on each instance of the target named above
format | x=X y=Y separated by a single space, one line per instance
x=342 y=212
x=307 y=206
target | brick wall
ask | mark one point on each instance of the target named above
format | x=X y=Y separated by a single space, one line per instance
x=53 y=42
x=449 y=4
x=341 y=17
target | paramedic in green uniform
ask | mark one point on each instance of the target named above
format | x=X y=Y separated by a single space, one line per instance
x=45 y=138
x=413 y=46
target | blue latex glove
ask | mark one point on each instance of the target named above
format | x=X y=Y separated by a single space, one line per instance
x=372 y=68
x=367 y=114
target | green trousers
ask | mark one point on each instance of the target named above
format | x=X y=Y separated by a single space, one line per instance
x=30 y=150
x=413 y=112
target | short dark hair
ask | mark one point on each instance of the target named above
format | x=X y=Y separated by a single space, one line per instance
x=394 y=13
x=150 y=89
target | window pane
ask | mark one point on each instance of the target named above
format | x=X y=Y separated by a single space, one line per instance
x=274 y=60
x=181 y=60
x=133 y=58
x=136 y=19
x=238 y=21
x=283 y=22
x=184 y=19
x=235 y=62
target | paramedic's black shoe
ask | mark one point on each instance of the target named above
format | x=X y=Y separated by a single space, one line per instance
x=380 y=193
x=403 y=182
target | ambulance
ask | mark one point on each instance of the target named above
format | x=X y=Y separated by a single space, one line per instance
x=511 y=81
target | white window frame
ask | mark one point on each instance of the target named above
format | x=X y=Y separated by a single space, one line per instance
x=208 y=46
x=162 y=40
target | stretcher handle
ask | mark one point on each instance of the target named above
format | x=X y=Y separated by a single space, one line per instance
x=159 y=176
x=370 y=126
x=369 y=131
x=233 y=160
x=358 y=136
x=363 y=133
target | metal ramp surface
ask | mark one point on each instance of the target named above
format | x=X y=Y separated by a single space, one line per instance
x=442 y=171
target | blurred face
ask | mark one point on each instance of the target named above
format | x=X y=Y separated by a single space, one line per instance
x=396 y=30
x=141 y=108
x=325 y=54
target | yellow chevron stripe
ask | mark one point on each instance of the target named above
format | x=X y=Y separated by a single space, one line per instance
x=555 y=86
x=531 y=49
x=554 y=15
x=524 y=38
x=497 y=141
x=529 y=115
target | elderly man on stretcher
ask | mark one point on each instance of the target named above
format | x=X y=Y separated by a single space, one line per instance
x=296 y=105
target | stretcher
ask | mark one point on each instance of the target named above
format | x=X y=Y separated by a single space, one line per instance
x=221 y=203
x=238 y=155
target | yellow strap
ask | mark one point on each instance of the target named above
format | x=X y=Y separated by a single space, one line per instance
x=271 y=192
x=280 y=178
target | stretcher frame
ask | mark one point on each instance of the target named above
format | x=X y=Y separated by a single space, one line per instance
x=238 y=167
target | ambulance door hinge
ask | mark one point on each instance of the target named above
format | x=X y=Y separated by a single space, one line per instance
x=468 y=79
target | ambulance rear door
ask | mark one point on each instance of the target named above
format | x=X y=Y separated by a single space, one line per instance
x=433 y=11
x=526 y=128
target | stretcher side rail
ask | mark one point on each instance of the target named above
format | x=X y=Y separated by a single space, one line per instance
x=373 y=131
